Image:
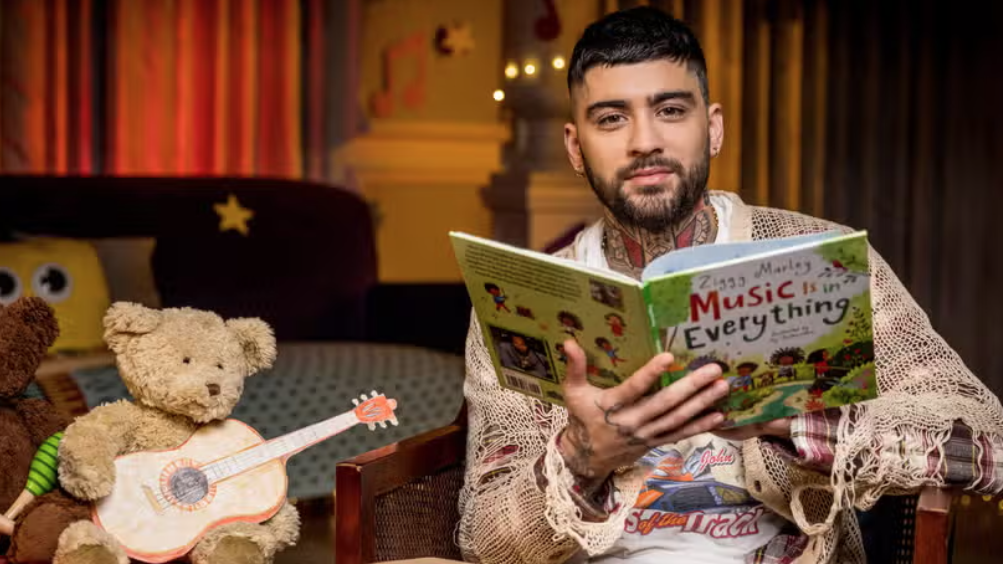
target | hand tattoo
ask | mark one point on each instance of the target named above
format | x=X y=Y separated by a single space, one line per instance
x=623 y=431
x=579 y=461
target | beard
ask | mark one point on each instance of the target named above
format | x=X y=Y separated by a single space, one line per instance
x=659 y=210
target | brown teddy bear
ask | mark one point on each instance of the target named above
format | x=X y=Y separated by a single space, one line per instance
x=28 y=327
x=185 y=368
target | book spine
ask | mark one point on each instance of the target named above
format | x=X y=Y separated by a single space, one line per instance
x=654 y=331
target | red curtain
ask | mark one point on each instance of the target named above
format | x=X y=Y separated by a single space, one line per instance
x=165 y=87
x=46 y=88
x=205 y=87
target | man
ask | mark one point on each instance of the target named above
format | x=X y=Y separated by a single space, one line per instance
x=617 y=476
x=516 y=354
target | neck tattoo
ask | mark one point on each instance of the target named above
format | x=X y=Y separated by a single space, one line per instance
x=629 y=249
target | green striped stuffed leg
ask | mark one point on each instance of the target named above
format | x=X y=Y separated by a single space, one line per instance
x=42 y=475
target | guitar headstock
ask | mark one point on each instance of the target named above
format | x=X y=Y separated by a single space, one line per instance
x=376 y=410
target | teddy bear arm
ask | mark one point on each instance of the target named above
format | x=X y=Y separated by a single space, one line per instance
x=90 y=445
x=41 y=419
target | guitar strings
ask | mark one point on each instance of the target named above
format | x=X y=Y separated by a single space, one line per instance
x=236 y=464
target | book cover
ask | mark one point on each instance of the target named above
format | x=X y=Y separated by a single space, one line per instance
x=790 y=328
x=528 y=304
x=788 y=320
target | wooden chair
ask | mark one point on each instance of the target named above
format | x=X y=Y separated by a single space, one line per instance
x=399 y=503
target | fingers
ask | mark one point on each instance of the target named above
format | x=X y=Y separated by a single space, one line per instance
x=574 y=375
x=679 y=416
x=698 y=426
x=639 y=383
x=680 y=391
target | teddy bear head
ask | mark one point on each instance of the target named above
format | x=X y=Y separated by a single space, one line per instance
x=186 y=361
x=28 y=327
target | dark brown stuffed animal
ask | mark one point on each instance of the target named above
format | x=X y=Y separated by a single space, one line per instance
x=28 y=327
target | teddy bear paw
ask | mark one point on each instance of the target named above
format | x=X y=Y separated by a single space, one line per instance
x=89 y=482
x=90 y=554
x=235 y=550
x=84 y=543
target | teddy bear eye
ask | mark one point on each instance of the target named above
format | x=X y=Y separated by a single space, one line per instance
x=220 y=366
x=186 y=360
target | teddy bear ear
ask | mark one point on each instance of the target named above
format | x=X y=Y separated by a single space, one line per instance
x=258 y=341
x=124 y=320
x=37 y=315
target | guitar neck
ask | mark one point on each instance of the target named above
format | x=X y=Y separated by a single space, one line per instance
x=279 y=447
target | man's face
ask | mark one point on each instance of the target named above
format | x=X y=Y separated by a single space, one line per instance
x=643 y=136
x=519 y=344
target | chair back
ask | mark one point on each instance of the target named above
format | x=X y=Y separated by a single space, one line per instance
x=399 y=502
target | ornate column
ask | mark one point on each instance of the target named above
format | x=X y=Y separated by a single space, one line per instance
x=429 y=135
x=538 y=196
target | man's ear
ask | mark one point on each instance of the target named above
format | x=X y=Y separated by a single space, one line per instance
x=124 y=320
x=574 y=148
x=715 y=116
x=257 y=340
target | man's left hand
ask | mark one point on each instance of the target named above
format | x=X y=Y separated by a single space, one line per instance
x=776 y=428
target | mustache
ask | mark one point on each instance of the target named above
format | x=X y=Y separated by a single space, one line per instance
x=650 y=162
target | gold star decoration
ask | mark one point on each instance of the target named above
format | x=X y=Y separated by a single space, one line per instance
x=459 y=39
x=233 y=216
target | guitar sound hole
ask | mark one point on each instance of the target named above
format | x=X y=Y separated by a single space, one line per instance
x=189 y=485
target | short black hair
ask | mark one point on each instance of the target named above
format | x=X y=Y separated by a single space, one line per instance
x=637 y=35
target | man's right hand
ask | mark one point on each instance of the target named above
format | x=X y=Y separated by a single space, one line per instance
x=611 y=428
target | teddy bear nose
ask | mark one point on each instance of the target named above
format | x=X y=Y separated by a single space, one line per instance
x=213 y=389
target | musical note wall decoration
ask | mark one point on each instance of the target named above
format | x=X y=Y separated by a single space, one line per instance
x=412 y=48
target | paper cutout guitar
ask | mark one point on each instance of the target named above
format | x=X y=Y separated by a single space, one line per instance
x=164 y=501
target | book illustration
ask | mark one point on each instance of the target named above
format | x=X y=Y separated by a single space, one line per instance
x=562 y=356
x=570 y=323
x=522 y=353
x=784 y=361
x=616 y=324
x=497 y=296
x=792 y=331
x=787 y=320
x=607 y=294
x=522 y=311
x=610 y=351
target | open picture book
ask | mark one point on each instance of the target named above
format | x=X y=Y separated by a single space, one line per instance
x=788 y=320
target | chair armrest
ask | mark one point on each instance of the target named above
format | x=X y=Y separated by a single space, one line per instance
x=360 y=480
x=931 y=537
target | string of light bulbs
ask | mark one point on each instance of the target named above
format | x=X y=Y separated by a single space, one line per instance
x=530 y=68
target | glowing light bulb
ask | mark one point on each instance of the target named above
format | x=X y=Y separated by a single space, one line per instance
x=558 y=62
x=498 y=95
x=511 y=70
x=530 y=69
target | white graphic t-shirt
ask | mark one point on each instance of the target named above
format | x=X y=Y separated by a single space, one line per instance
x=694 y=508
